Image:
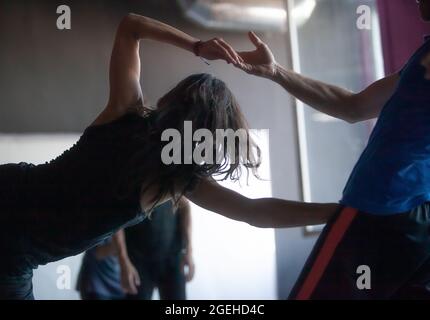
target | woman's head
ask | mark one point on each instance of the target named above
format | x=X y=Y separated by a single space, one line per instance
x=205 y=104
x=202 y=99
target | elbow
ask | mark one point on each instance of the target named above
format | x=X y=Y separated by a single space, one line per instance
x=126 y=21
x=351 y=119
x=126 y=25
x=353 y=112
x=130 y=18
x=135 y=25
x=357 y=117
x=361 y=108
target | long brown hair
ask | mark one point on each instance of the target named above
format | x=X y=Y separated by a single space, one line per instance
x=208 y=103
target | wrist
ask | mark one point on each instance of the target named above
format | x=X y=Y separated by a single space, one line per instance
x=196 y=47
x=277 y=73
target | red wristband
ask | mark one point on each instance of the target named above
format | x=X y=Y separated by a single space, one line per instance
x=196 y=48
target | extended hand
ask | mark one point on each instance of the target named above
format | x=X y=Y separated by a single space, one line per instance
x=259 y=62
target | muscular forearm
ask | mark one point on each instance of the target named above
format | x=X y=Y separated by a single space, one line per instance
x=262 y=213
x=146 y=28
x=278 y=213
x=329 y=99
x=271 y=212
x=323 y=97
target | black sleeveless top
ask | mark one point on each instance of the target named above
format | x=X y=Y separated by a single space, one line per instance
x=61 y=208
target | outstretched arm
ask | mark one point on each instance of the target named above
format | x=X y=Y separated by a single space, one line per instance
x=329 y=99
x=125 y=90
x=262 y=213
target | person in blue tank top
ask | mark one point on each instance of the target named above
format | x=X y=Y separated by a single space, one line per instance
x=382 y=223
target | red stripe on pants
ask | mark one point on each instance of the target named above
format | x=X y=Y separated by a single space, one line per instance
x=326 y=252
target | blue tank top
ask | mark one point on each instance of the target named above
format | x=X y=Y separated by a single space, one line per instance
x=393 y=173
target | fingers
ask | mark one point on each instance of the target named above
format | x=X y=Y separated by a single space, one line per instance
x=132 y=287
x=217 y=48
x=130 y=283
x=128 y=286
x=247 y=56
x=255 y=39
x=230 y=58
x=245 y=67
x=231 y=51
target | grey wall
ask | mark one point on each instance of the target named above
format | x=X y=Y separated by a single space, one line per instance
x=57 y=81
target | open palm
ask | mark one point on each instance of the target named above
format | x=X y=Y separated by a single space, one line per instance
x=259 y=62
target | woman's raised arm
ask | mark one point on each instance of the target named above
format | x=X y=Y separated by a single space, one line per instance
x=125 y=90
x=262 y=213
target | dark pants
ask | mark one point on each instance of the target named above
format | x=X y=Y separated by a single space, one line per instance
x=395 y=248
x=164 y=274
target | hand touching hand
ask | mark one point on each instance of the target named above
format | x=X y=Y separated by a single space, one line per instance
x=259 y=62
x=218 y=49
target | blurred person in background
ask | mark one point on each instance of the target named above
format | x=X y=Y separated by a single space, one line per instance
x=99 y=276
x=156 y=253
